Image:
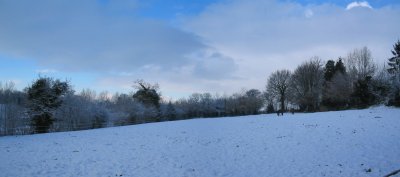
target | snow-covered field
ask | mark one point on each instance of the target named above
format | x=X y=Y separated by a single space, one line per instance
x=345 y=143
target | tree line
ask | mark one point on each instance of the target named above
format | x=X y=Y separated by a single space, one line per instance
x=51 y=105
x=352 y=82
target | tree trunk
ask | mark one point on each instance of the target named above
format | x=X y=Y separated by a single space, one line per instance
x=283 y=103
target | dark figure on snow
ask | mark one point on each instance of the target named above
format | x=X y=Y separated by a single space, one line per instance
x=280 y=112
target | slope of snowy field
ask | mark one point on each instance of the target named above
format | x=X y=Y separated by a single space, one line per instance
x=344 y=143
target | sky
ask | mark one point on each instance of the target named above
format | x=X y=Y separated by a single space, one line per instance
x=216 y=46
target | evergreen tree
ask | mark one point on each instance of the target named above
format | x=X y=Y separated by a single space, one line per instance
x=329 y=70
x=44 y=96
x=336 y=89
x=394 y=62
x=340 y=66
x=394 y=70
x=147 y=95
x=362 y=96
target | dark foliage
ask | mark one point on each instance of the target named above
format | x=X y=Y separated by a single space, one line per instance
x=394 y=62
x=270 y=108
x=170 y=112
x=329 y=70
x=147 y=94
x=394 y=70
x=362 y=96
x=44 y=96
x=339 y=67
x=335 y=87
x=395 y=99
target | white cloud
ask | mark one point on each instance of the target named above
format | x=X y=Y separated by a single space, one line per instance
x=354 y=4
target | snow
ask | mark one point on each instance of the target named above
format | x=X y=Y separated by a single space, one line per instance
x=344 y=143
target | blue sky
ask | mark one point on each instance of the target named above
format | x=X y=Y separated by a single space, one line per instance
x=185 y=46
x=170 y=9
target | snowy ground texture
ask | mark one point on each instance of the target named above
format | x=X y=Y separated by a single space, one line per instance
x=345 y=143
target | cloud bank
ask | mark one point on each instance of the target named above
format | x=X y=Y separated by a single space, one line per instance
x=92 y=36
x=108 y=38
x=229 y=45
x=264 y=36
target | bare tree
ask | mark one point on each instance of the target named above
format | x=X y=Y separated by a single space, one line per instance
x=360 y=64
x=253 y=101
x=88 y=94
x=269 y=102
x=381 y=84
x=12 y=117
x=306 y=84
x=277 y=86
x=104 y=96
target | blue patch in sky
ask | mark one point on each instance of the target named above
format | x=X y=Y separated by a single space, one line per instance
x=25 y=71
x=169 y=9
x=17 y=69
